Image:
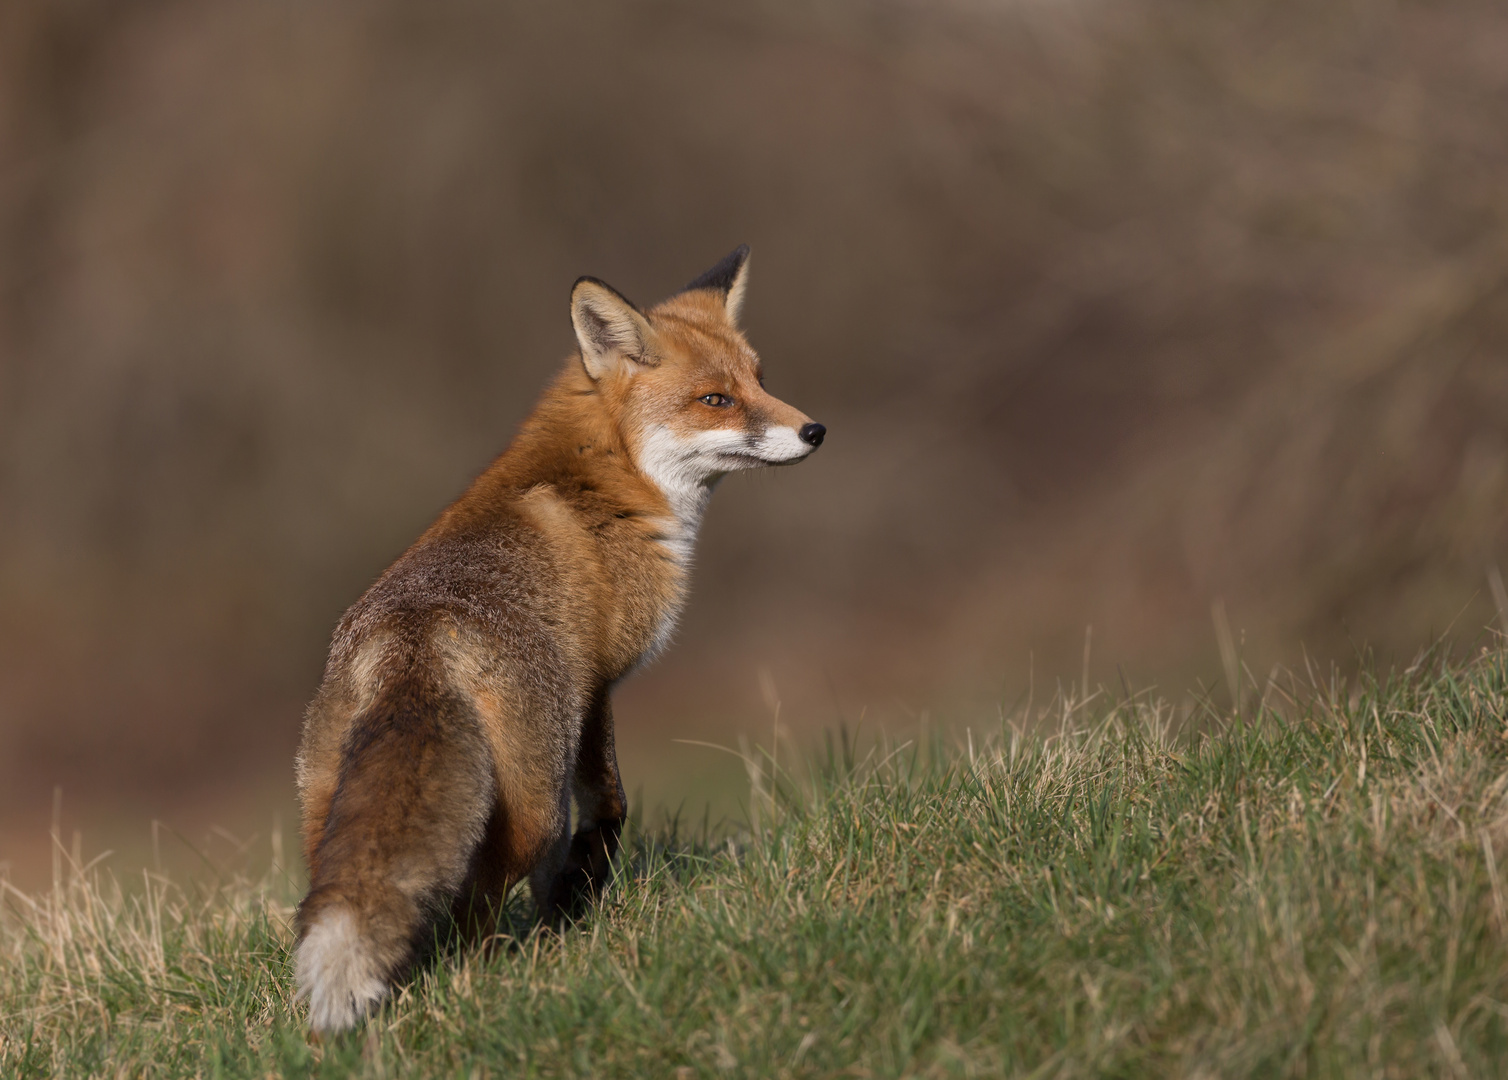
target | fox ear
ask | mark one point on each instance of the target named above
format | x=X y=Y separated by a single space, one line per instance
x=609 y=329
x=729 y=277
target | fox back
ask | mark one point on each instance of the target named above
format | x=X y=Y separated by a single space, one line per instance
x=465 y=700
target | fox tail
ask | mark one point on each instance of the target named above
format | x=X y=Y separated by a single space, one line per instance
x=413 y=798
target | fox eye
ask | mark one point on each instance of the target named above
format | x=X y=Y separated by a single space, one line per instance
x=717 y=401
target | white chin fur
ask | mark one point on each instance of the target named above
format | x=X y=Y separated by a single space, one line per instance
x=335 y=970
x=781 y=446
x=685 y=467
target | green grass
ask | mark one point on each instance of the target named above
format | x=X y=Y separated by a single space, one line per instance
x=1096 y=890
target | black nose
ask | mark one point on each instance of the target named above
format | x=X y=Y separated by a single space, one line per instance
x=813 y=434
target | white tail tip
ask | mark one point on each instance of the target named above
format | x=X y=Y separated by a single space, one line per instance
x=335 y=970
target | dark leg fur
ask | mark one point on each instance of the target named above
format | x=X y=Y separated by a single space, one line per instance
x=587 y=866
x=506 y=856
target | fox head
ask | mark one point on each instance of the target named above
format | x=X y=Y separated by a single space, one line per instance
x=685 y=386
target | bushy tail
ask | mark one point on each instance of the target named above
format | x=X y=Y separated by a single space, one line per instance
x=414 y=794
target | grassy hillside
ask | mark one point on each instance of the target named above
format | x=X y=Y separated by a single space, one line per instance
x=1099 y=888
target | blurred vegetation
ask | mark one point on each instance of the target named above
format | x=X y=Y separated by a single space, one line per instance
x=1113 y=310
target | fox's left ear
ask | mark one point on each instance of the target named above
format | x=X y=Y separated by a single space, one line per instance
x=729 y=277
x=609 y=329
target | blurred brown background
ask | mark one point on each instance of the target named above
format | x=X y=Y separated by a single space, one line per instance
x=1112 y=310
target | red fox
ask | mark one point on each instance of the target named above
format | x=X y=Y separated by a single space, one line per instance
x=466 y=695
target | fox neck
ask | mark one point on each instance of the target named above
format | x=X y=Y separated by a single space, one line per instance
x=663 y=459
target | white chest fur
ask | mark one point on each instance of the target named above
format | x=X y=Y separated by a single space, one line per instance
x=684 y=468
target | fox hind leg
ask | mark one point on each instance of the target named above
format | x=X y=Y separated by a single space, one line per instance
x=526 y=838
x=543 y=878
x=586 y=864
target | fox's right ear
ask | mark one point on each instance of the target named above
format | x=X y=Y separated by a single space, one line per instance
x=609 y=329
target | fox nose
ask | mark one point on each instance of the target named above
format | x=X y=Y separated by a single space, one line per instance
x=813 y=434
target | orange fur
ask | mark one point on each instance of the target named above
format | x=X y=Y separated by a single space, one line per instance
x=465 y=698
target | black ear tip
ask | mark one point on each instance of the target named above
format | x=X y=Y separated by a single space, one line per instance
x=725 y=273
